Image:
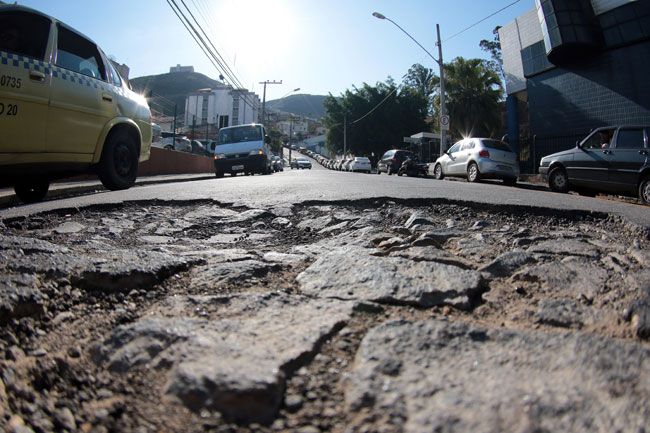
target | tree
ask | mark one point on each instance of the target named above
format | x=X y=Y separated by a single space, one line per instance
x=474 y=92
x=494 y=48
x=378 y=117
x=424 y=81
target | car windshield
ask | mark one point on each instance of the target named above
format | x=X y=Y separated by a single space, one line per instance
x=240 y=134
x=496 y=145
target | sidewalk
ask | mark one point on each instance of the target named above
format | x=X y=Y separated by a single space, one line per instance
x=69 y=187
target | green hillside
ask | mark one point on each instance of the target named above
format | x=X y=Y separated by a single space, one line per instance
x=304 y=105
x=174 y=86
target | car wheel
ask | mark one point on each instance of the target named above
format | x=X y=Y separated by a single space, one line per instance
x=558 y=180
x=510 y=181
x=218 y=174
x=31 y=192
x=473 y=175
x=118 y=166
x=437 y=172
x=389 y=171
x=644 y=190
x=233 y=174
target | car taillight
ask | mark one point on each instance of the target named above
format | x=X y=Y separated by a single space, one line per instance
x=484 y=154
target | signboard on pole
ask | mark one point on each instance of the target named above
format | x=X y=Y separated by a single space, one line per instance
x=444 y=122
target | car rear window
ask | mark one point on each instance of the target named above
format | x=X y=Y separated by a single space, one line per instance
x=24 y=33
x=496 y=145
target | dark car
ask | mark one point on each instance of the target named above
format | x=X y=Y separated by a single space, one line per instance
x=392 y=160
x=611 y=160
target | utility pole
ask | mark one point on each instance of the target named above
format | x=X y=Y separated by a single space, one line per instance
x=174 y=126
x=290 y=132
x=345 y=134
x=443 y=105
x=264 y=98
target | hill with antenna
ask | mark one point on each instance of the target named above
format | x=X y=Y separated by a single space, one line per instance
x=300 y=104
x=172 y=87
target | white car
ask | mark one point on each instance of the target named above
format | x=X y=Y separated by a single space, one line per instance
x=479 y=158
x=360 y=164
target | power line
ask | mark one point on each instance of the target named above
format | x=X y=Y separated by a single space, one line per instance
x=375 y=107
x=480 y=21
x=216 y=59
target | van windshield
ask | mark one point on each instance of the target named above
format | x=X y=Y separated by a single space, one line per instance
x=241 y=134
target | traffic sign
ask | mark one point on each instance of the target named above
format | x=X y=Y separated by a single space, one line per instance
x=444 y=122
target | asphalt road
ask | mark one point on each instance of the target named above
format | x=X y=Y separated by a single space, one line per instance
x=319 y=184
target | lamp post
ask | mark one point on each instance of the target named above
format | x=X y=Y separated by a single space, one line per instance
x=443 y=106
x=264 y=97
x=290 y=122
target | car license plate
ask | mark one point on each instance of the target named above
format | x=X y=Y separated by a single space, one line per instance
x=237 y=167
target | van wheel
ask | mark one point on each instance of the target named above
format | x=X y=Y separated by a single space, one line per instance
x=644 y=190
x=118 y=167
x=510 y=181
x=558 y=180
x=31 y=192
x=437 y=172
x=473 y=175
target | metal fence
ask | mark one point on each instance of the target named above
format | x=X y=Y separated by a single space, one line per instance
x=533 y=149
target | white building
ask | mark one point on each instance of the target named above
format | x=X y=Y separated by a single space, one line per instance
x=295 y=126
x=221 y=107
x=179 y=68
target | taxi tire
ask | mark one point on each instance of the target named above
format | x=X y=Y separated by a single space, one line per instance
x=32 y=192
x=118 y=166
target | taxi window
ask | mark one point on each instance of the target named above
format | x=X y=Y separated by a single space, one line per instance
x=79 y=55
x=115 y=77
x=24 y=33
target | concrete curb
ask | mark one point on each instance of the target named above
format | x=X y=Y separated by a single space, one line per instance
x=71 y=188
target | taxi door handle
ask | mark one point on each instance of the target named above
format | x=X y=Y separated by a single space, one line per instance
x=37 y=76
x=107 y=97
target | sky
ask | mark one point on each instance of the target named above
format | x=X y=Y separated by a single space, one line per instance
x=319 y=46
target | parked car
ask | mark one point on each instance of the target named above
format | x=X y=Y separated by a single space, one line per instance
x=392 y=160
x=610 y=159
x=360 y=164
x=277 y=163
x=198 y=147
x=179 y=143
x=64 y=108
x=346 y=164
x=209 y=145
x=478 y=158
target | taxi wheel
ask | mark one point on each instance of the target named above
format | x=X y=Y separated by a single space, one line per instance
x=32 y=192
x=118 y=167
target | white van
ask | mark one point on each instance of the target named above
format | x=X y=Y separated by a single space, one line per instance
x=242 y=149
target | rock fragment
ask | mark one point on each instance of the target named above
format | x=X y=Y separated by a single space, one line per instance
x=508 y=263
x=452 y=377
x=20 y=297
x=391 y=280
x=237 y=366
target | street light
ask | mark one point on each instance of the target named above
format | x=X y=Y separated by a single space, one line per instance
x=443 y=106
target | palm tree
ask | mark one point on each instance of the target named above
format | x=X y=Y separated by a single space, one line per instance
x=474 y=93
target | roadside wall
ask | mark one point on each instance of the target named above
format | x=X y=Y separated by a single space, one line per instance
x=163 y=161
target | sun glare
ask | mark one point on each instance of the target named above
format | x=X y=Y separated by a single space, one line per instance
x=253 y=31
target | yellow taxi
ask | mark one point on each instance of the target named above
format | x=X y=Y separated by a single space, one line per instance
x=64 y=109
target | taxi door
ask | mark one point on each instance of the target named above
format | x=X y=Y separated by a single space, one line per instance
x=24 y=83
x=81 y=101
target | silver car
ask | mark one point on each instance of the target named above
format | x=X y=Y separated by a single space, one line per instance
x=479 y=158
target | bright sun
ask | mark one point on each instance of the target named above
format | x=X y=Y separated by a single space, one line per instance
x=253 y=31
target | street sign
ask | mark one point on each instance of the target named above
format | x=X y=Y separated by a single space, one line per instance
x=444 y=122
